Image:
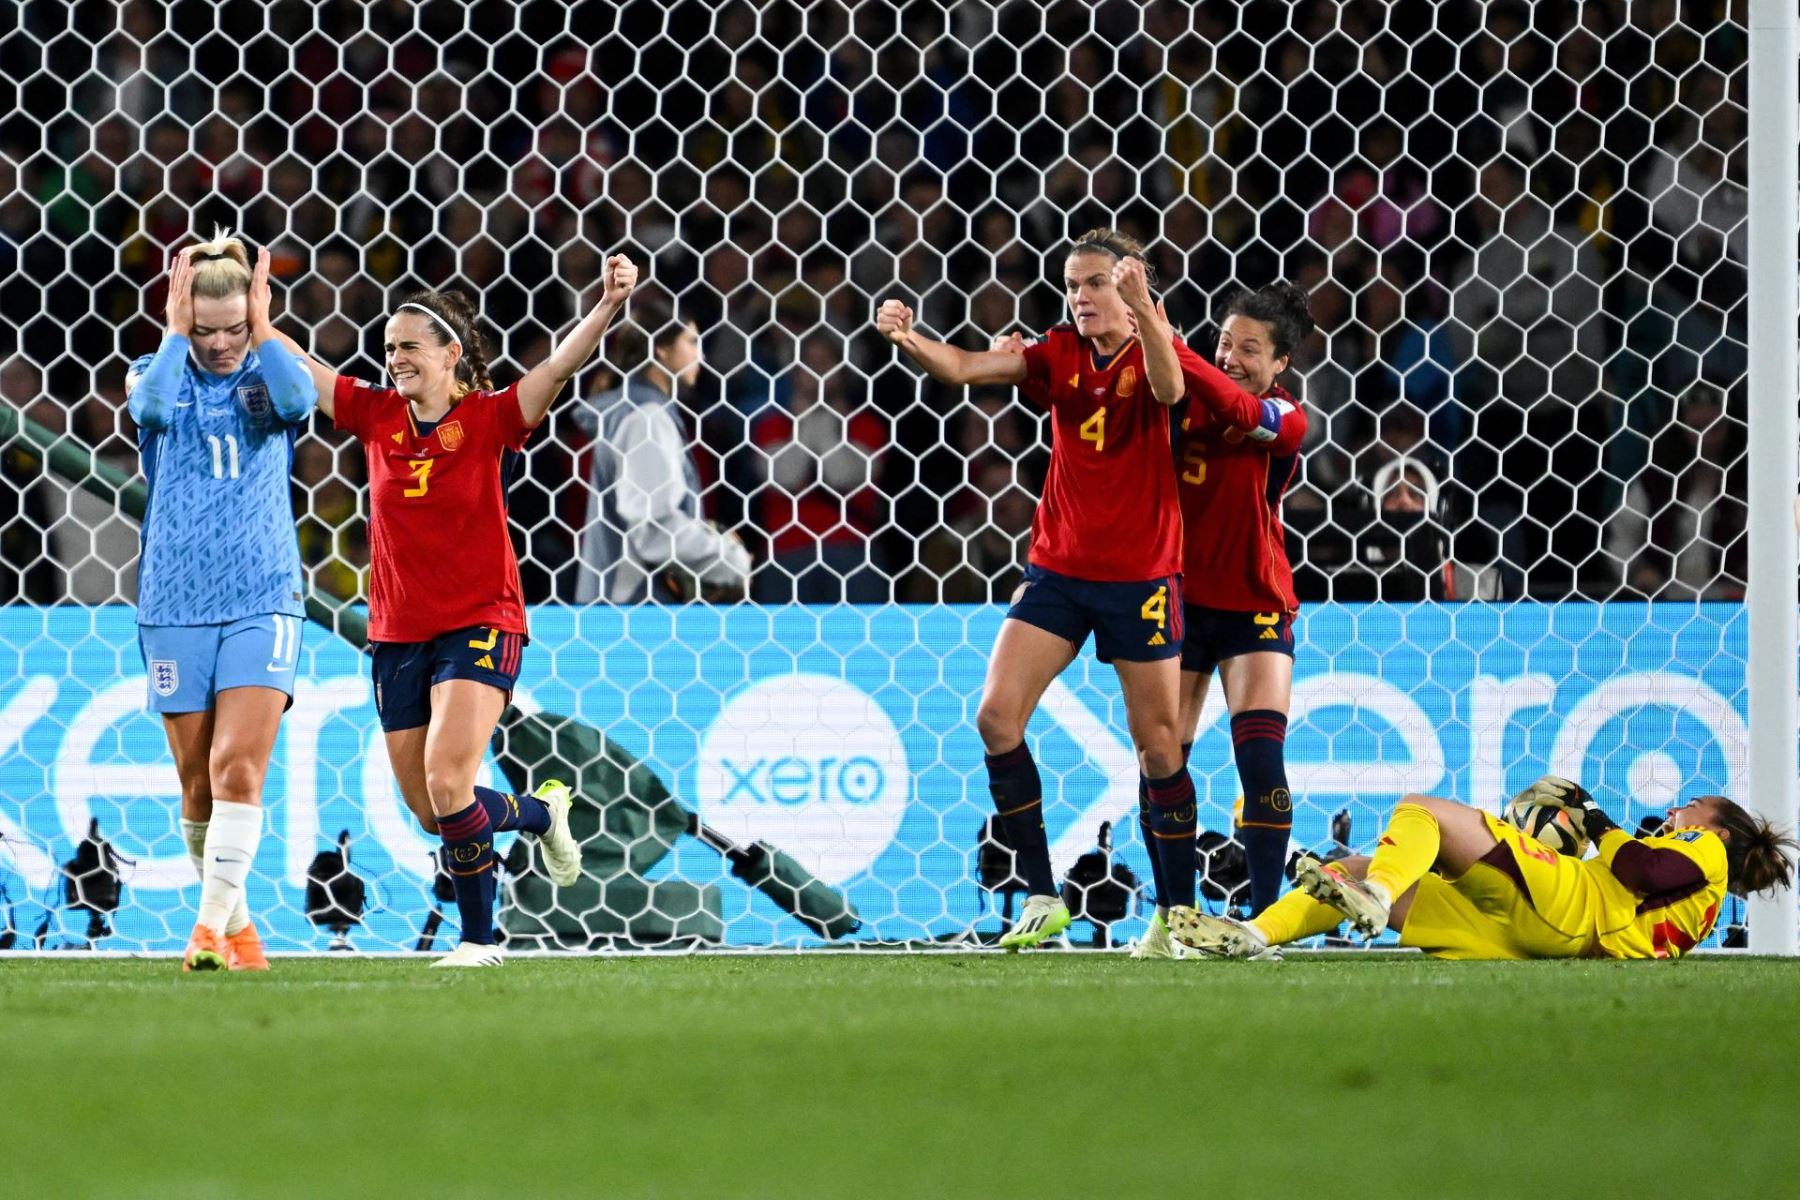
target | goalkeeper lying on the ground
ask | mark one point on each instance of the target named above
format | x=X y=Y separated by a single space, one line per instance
x=1457 y=882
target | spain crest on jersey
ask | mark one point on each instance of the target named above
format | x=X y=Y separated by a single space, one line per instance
x=164 y=678
x=450 y=435
x=255 y=400
x=1128 y=382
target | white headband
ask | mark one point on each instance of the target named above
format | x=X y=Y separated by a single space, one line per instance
x=442 y=324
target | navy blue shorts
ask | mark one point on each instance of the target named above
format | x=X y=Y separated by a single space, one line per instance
x=405 y=671
x=1131 y=622
x=1214 y=635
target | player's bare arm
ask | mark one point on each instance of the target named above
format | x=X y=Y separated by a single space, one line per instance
x=1160 y=362
x=544 y=381
x=261 y=305
x=942 y=361
x=294 y=395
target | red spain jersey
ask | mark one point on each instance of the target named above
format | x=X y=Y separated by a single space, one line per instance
x=1238 y=453
x=440 y=558
x=1109 y=512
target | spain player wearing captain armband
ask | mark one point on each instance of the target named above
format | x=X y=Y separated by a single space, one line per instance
x=446 y=617
x=1457 y=882
x=1105 y=555
x=218 y=407
x=1240 y=446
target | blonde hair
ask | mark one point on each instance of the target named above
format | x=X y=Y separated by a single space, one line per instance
x=221 y=266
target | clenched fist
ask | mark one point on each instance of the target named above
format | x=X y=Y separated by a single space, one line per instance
x=895 y=321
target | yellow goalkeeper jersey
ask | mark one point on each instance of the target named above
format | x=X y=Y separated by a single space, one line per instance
x=1659 y=896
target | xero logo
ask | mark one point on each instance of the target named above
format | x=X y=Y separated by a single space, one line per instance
x=808 y=763
x=794 y=780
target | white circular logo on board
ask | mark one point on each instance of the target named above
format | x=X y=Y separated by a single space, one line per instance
x=811 y=765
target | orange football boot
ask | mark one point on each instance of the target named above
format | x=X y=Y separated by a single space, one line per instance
x=244 y=951
x=205 y=951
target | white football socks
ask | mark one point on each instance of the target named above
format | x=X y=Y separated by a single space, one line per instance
x=227 y=847
x=193 y=833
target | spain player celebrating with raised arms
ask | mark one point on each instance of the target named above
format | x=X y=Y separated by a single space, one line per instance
x=1457 y=882
x=446 y=617
x=1240 y=445
x=218 y=407
x=1105 y=555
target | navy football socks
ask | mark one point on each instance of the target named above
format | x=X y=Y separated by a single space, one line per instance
x=1019 y=800
x=1168 y=809
x=469 y=858
x=508 y=810
x=1259 y=742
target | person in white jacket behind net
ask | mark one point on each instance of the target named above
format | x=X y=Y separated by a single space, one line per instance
x=646 y=536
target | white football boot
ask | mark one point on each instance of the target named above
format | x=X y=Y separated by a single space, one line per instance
x=1156 y=942
x=562 y=853
x=473 y=954
x=1042 y=918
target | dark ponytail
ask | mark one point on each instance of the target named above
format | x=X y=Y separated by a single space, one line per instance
x=1283 y=307
x=1758 y=857
x=454 y=309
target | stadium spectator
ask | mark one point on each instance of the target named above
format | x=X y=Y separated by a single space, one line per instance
x=980 y=558
x=1528 y=332
x=1403 y=553
x=818 y=505
x=840 y=143
x=645 y=536
x=1694 y=518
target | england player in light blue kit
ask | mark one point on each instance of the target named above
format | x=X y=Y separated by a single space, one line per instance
x=218 y=407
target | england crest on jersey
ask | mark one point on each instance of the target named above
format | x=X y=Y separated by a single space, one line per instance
x=164 y=678
x=255 y=400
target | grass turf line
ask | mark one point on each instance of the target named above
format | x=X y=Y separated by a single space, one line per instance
x=829 y=1075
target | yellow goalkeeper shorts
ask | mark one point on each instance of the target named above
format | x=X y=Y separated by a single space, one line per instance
x=1523 y=900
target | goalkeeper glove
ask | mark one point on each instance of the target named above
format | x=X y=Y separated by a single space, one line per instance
x=1574 y=799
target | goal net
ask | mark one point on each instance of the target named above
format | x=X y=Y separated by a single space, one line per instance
x=1517 y=528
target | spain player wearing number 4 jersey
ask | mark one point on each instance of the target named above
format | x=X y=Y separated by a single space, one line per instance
x=445 y=613
x=1457 y=882
x=1105 y=555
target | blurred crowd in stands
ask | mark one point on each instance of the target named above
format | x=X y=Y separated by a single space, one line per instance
x=1522 y=226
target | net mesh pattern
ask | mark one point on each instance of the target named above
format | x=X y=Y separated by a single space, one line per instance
x=1522 y=228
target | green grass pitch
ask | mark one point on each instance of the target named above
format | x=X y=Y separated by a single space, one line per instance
x=1048 y=1075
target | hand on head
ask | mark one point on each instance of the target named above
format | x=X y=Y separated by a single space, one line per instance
x=259 y=302
x=179 y=312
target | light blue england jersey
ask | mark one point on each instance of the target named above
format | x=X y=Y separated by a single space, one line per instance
x=219 y=540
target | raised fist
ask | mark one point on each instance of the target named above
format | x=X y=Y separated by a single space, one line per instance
x=619 y=276
x=1134 y=286
x=895 y=321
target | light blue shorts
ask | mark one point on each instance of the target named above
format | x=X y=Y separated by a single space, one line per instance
x=187 y=666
